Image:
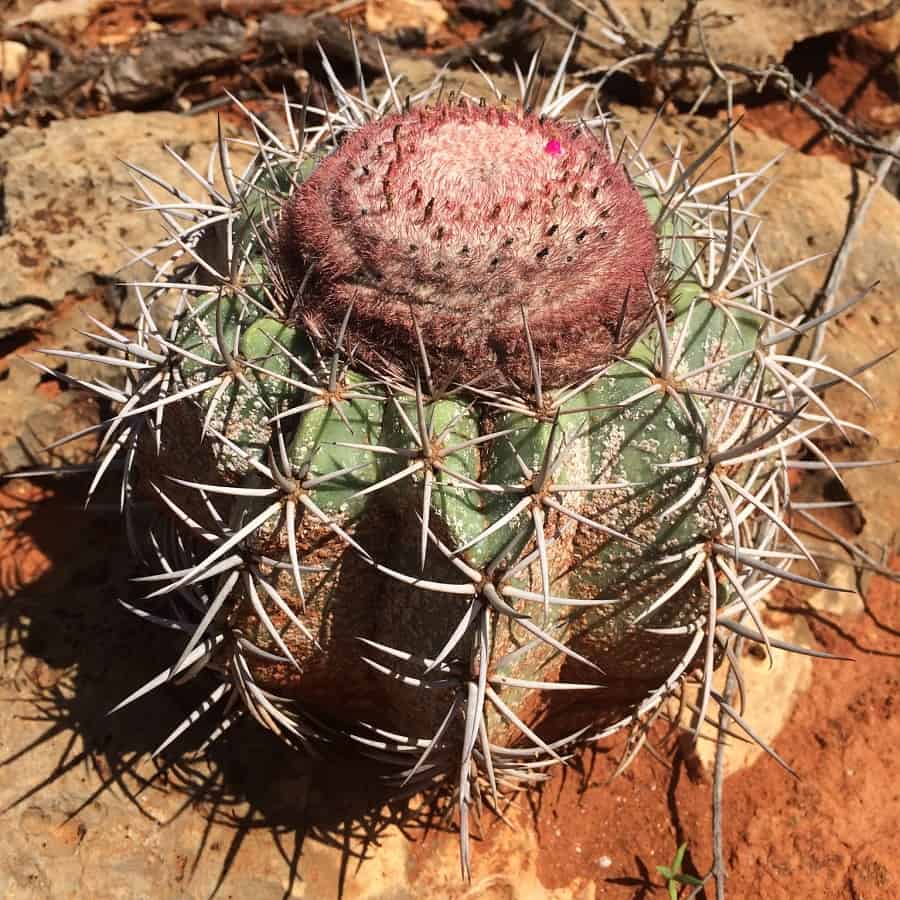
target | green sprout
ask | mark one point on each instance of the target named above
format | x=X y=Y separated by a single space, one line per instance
x=673 y=875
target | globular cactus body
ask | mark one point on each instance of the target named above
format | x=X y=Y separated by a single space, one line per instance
x=469 y=441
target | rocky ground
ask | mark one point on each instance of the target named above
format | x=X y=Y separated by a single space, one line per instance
x=84 y=812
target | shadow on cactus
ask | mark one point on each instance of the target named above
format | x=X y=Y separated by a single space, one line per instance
x=470 y=440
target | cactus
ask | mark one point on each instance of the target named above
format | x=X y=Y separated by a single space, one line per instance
x=470 y=440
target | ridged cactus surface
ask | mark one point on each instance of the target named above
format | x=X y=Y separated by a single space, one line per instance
x=470 y=441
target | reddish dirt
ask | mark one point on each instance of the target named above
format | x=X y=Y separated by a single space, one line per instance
x=114 y=25
x=856 y=82
x=22 y=561
x=832 y=833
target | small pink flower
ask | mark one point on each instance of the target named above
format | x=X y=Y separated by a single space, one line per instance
x=554 y=148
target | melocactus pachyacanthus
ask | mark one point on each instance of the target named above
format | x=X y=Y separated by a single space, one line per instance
x=470 y=439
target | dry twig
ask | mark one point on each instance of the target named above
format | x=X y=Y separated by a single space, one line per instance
x=644 y=59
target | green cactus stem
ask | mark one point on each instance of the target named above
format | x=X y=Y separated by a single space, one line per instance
x=470 y=440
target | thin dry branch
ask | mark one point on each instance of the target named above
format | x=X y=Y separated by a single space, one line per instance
x=827 y=296
x=718 y=869
x=643 y=59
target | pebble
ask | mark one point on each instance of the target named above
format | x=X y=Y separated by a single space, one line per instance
x=12 y=59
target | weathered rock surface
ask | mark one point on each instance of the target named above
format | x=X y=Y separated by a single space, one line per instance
x=67 y=224
x=160 y=65
x=62 y=17
x=771 y=691
x=35 y=410
x=394 y=17
x=66 y=232
x=745 y=32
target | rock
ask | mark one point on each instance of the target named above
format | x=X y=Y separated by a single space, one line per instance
x=298 y=35
x=12 y=59
x=66 y=221
x=34 y=410
x=163 y=63
x=842 y=599
x=772 y=691
x=744 y=32
x=293 y=34
x=67 y=225
x=62 y=17
x=394 y=17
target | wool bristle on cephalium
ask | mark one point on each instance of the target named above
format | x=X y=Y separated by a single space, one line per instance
x=470 y=441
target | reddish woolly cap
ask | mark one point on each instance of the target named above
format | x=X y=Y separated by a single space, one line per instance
x=458 y=217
